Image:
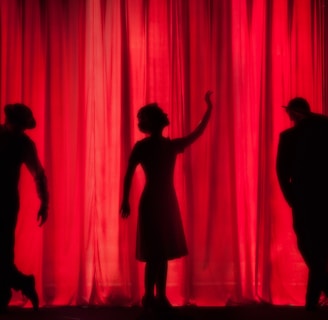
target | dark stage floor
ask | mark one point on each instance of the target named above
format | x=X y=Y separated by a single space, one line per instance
x=184 y=313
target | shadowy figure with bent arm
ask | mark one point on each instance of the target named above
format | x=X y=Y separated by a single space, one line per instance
x=302 y=171
x=16 y=148
x=160 y=235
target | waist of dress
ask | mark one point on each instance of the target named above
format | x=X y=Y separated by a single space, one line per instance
x=159 y=185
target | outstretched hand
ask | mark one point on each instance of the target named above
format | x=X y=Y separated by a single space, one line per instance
x=208 y=97
x=42 y=215
x=125 y=210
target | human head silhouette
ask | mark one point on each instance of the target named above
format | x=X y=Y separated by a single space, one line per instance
x=152 y=119
x=298 y=108
x=19 y=116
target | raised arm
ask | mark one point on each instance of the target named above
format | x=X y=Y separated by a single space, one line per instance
x=196 y=133
x=34 y=166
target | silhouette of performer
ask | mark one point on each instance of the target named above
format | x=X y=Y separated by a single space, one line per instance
x=302 y=170
x=160 y=235
x=17 y=148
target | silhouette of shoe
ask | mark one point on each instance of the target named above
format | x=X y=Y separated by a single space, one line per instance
x=29 y=291
x=3 y=309
x=148 y=302
x=310 y=307
x=163 y=303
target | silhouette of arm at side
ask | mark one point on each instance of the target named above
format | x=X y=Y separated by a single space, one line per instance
x=125 y=207
x=283 y=169
x=194 y=135
x=35 y=168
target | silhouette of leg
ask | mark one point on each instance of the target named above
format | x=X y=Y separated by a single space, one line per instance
x=5 y=291
x=161 y=279
x=6 y=261
x=314 y=286
x=316 y=278
x=311 y=248
x=150 y=278
x=161 y=299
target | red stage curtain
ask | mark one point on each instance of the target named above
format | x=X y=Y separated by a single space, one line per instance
x=86 y=66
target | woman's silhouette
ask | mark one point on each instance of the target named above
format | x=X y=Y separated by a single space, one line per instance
x=160 y=235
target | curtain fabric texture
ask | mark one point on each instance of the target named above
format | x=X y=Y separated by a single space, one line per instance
x=85 y=67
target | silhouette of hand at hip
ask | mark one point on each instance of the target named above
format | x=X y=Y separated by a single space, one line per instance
x=125 y=209
x=42 y=215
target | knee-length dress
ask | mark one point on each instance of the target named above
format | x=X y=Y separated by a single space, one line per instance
x=160 y=232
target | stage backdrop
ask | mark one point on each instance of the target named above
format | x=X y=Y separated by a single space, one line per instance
x=85 y=67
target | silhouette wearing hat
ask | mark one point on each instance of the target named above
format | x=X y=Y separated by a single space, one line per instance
x=160 y=235
x=302 y=170
x=16 y=148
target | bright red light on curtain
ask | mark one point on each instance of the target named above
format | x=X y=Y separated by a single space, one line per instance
x=85 y=68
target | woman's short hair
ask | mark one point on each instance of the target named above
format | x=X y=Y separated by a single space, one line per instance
x=151 y=117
